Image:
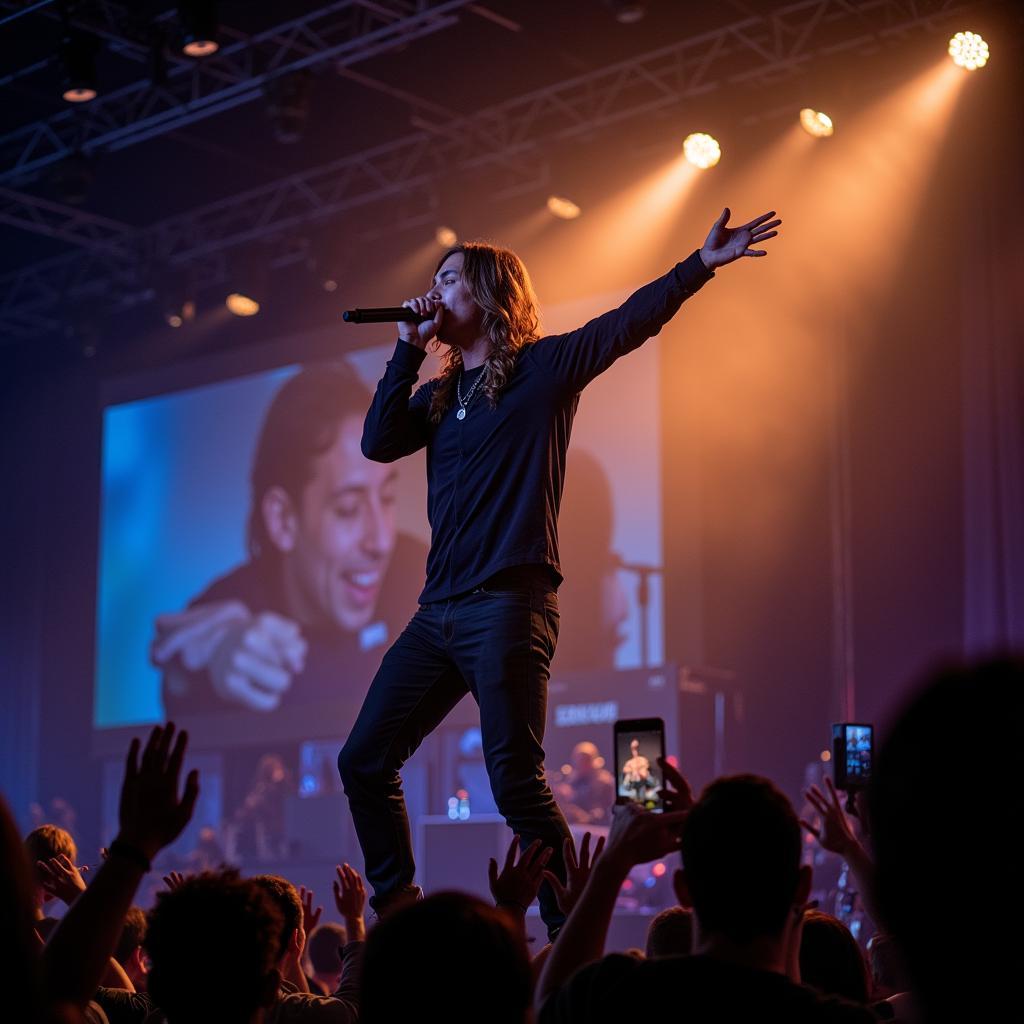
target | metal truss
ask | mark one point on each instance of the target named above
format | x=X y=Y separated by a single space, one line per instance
x=341 y=33
x=508 y=139
x=67 y=223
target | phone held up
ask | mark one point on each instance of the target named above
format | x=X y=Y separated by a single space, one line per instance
x=853 y=752
x=638 y=743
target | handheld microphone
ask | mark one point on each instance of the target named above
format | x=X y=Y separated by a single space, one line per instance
x=383 y=315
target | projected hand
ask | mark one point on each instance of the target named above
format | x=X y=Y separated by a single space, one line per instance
x=420 y=334
x=255 y=660
x=724 y=244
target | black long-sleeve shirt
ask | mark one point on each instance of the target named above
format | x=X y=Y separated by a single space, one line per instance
x=494 y=479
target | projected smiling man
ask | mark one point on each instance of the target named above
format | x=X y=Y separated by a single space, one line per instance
x=495 y=423
x=329 y=581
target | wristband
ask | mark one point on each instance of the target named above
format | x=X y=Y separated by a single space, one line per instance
x=120 y=848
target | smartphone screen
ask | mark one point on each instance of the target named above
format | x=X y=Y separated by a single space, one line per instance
x=638 y=745
x=853 y=749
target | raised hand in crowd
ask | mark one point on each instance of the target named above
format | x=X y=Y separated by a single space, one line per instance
x=836 y=834
x=577 y=871
x=310 y=917
x=517 y=884
x=152 y=815
x=676 y=793
x=350 y=900
x=61 y=878
x=636 y=837
x=173 y=880
x=835 y=831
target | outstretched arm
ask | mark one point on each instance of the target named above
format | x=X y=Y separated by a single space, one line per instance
x=835 y=834
x=578 y=357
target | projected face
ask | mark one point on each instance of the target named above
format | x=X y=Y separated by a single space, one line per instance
x=462 y=320
x=344 y=537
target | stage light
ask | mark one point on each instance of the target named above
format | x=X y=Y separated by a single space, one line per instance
x=702 y=150
x=446 y=236
x=78 y=52
x=242 y=305
x=330 y=285
x=659 y=869
x=815 y=123
x=826 y=756
x=183 y=314
x=199 y=27
x=564 y=208
x=968 y=50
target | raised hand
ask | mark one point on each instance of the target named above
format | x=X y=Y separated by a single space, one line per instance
x=60 y=878
x=725 y=244
x=576 y=872
x=835 y=832
x=638 y=836
x=680 y=796
x=310 y=917
x=151 y=814
x=350 y=898
x=518 y=883
x=174 y=880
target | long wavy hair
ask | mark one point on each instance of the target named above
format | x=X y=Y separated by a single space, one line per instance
x=500 y=285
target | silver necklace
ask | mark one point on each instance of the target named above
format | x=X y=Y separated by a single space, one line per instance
x=464 y=403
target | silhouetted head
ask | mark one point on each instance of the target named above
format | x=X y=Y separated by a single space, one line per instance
x=943 y=803
x=450 y=957
x=830 y=959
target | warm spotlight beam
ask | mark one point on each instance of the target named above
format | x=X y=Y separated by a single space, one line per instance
x=870 y=187
x=627 y=226
x=855 y=216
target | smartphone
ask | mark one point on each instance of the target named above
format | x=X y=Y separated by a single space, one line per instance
x=638 y=743
x=853 y=752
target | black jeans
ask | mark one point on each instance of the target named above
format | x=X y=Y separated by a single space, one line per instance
x=497 y=645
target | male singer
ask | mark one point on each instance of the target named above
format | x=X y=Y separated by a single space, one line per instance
x=495 y=423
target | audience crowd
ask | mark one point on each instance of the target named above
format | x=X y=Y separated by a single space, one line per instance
x=930 y=845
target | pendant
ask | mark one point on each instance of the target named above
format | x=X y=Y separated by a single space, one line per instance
x=461 y=414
